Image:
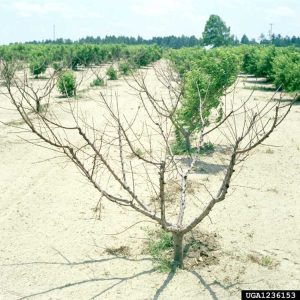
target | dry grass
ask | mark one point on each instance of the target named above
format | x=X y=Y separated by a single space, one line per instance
x=269 y=151
x=264 y=261
x=173 y=190
x=118 y=251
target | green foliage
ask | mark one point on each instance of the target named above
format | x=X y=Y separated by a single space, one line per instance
x=145 y=55
x=265 y=62
x=78 y=55
x=216 y=32
x=160 y=247
x=205 y=76
x=57 y=66
x=258 y=61
x=245 y=40
x=37 y=66
x=180 y=146
x=7 y=72
x=112 y=73
x=287 y=70
x=279 y=65
x=124 y=68
x=67 y=84
x=206 y=82
x=97 y=82
x=250 y=60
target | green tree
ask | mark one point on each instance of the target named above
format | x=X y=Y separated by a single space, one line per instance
x=37 y=66
x=206 y=82
x=67 y=84
x=112 y=73
x=286 y=68
x=216 y=32
x=245 y=40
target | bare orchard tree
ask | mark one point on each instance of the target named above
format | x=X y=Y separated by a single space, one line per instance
x=128 y=156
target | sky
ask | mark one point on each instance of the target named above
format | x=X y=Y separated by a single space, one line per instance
x=27 y=20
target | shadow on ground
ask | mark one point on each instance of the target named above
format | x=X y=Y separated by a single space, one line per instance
x=116 y=280
x=202 y=167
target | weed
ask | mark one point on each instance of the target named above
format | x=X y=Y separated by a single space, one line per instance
x=264 y=261
x=269 y=151
x=160 y=247
x=273 y=190
x=97 y=82
x=173 y=190
x=199 y=250
x=119 y=251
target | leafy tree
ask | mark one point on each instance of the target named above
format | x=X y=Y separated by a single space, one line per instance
x=245 y=40
x=264 y=62
x=286 y=68
x=207 y=80
x=67 y=84
x=38 y=66
x=216 y=32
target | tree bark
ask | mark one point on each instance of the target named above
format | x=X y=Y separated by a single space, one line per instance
x=38 y=106
x=178 y=249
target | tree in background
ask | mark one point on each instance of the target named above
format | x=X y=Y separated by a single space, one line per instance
x=216 y=32
x=66 y=84
x=37 y=66
x=245 y=40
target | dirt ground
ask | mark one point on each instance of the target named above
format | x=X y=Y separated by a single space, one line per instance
x=54 y=246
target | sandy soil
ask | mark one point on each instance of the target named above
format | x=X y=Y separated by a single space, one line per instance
x=53 y=246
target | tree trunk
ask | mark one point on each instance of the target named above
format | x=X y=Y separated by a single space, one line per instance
x=38 y=106
x=188 y=143
x=178 y=249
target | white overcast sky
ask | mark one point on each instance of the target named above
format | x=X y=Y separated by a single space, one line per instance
x=27 y=20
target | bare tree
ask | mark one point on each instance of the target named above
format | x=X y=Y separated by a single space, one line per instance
x=134 y=153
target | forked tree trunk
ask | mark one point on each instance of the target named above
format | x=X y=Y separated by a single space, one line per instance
x=178 y=249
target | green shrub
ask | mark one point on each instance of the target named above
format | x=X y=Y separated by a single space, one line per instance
x=67 y=84
x=250 y=59
x=57 y=66
x=112 y=73
x=124 y=68
x=265 y=62
x=38 y=66
x=286 y=69
x=97 y=82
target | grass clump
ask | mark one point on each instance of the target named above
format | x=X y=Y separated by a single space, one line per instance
x=119 y=251
x=264 y=261
x=97 y=82
x=160 y=247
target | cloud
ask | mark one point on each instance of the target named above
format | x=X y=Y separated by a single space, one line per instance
x=65 y=9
